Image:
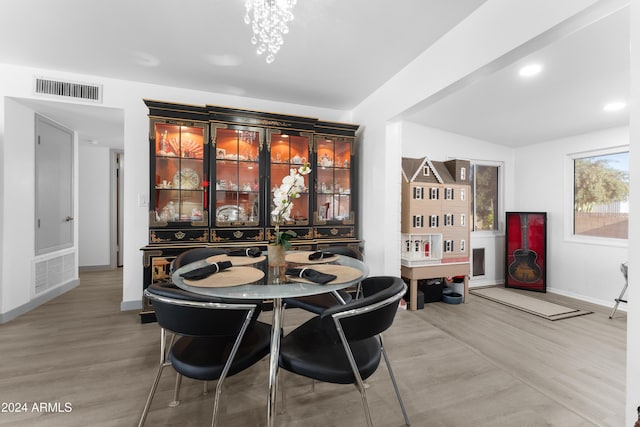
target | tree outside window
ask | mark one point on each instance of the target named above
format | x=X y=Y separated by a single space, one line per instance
x=601 y=191
x=484 y=197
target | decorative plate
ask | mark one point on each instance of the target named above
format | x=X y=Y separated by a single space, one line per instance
x=186 y=179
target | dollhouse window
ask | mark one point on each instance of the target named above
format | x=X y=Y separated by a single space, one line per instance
x=418 y=193
x=418 y=221
x=463 y=194
x=433 y=221
x=433 y=193
x=462 y=219
x=448 y=245
x=463 y=173
x=425 y=170
x=448 y=193
x=448 y=219
x=408 y=244
x=462 y=245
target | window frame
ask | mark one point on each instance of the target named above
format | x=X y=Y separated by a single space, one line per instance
x=569 y=184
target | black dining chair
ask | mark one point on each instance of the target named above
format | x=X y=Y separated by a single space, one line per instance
x=213 y=338
x=318 y=303
x=343 y=345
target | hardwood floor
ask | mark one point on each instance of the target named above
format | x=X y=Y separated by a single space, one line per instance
x=475 y=364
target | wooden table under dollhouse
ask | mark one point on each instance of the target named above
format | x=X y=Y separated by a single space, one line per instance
x=433 y=272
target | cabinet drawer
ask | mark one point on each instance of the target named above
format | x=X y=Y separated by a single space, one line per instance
x=237 y=235
x=178 y=235
x=302 y=233
x=331 y=232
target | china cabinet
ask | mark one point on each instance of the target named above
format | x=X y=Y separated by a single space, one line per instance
x=335 y=204
x=214 y=170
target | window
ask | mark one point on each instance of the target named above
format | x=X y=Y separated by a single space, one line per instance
x=433 y=193
x=448 y=245
x=433 y=221
x=418 y=193
x=425 y=171
x=462 y=245
x=418 y=220
x=485 y=187
x=601 y=194
x=463 y=195
x=462 y=219
x=463 y=174
x=448 y=193
x=448 y=219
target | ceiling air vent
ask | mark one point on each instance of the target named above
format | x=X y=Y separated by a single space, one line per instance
x=75 y=90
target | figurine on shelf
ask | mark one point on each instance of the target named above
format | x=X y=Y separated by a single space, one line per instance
x=325 y=160
x=165 y=150
x=169 y=212
x=196 y=214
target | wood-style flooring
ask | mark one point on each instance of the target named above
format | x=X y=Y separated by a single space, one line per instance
x=474 y=364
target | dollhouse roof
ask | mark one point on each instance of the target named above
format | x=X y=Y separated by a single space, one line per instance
x=412 y=171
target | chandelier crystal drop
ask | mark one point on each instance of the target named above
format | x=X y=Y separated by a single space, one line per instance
x=268 y=19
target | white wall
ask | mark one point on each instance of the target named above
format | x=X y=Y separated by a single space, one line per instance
x=633 y=307
x=19 y=181
x=18 y=216
x=94 y=206
x=420 y=141
x=544 y=183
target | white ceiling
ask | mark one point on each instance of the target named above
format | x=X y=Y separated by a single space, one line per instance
x=581 y=72
x=336 y=54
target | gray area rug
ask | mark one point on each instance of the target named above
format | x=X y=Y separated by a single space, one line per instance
x=516 y=299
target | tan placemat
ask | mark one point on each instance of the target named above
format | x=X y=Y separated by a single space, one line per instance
x=236 y=260
x=232 y=276
x=344 y=273
x=302 y=257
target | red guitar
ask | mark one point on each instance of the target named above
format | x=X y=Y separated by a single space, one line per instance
x=524 y=267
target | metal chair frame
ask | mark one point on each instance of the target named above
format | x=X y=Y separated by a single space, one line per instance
x=624 y=269
x=337 y=317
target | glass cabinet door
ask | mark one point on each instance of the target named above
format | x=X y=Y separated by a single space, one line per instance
x=237 y=180
x=333 y=179
x=180 y=177
x=289 y=152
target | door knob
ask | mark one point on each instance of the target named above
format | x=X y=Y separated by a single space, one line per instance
x=68 y=218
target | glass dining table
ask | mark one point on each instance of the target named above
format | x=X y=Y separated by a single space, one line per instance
x=248 y=283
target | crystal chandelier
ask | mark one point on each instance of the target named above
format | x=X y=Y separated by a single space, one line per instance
x=268 y=19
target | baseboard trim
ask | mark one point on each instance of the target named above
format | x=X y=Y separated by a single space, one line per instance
x=38 y=301
x=131 y=305
x=96 y=268
x=608 y=304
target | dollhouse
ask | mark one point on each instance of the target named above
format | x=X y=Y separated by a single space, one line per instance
x=435 y=219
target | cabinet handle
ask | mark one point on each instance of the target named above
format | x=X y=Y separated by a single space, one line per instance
x=68 y=218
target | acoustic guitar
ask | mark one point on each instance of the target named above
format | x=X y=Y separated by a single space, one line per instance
x=524 y=267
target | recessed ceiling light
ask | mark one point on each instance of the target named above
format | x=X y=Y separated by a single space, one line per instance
x=530 y=70
x=615 y=106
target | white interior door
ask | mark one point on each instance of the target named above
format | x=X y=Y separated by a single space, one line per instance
x=54 y=186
